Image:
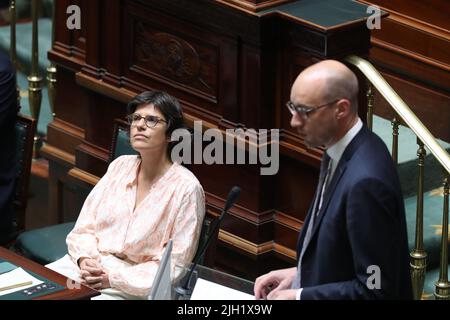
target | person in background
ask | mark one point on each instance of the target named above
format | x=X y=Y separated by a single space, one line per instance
x=8 y=115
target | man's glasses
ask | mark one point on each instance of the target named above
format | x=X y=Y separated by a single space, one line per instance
x=150 y=121
x=306 y=111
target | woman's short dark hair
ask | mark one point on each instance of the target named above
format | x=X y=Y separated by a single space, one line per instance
x=163 y=102
x=166 y=104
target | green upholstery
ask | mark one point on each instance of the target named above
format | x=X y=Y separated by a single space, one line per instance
x=45 y=245
x=24 y=130
x=121 y=142
x=23 y=44
x=48 y=244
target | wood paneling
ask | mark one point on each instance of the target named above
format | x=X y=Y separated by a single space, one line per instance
x=432 y=12
x=229 y=69
x=412 y=51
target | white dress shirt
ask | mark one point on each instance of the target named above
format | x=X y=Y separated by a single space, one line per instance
x=335 y=152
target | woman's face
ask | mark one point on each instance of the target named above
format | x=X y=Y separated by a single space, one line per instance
x=148 y=129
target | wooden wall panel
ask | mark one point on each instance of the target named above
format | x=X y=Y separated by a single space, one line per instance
x=412 y=50
x=228 y=68
x=431 y=107
x=168 y=52
x=433 y=12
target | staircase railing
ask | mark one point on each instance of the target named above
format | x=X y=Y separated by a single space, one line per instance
x=34 y=79
x=418 y=256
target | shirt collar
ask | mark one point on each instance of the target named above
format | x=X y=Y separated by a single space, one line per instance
x=336 y=150
x=132 y=178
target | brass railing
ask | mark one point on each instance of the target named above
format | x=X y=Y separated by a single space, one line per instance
x=418 y=262
x=34 y=79
x=51 y=72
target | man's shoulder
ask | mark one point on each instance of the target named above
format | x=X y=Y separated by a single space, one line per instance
x=373 y=148
x=372 y=161
x=5 y=64
x=371 y=157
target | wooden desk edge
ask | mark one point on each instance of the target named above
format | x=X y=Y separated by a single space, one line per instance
x=83 y=293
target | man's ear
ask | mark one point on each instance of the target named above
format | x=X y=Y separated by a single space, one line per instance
x=343 y=108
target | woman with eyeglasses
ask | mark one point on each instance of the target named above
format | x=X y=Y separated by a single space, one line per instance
x=140 y=203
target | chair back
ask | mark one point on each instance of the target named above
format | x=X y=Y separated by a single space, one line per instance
x=121 y=141
x=25 y=129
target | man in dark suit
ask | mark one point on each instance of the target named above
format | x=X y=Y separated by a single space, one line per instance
x=8 y=114
x=353 y=244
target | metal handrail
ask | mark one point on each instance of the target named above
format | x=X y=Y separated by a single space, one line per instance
x=402 y=109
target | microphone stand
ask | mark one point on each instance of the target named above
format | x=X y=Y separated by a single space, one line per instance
x=232 y=197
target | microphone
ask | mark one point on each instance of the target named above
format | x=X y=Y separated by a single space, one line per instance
x=232 y=197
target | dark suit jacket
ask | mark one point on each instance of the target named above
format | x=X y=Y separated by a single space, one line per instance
x=361 y=223
x=8 y=115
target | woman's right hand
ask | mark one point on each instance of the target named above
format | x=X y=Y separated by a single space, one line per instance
x=91 y=272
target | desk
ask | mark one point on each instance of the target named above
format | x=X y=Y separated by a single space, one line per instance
x=218 y=277
x=83 y=293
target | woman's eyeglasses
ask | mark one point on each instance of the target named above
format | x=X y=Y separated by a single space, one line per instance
x=150 y=121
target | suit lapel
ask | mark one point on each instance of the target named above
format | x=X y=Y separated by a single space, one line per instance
x=340 y=169
x=357 y=141
x=301 y=237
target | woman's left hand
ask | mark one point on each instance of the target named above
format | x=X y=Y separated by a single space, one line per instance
x=96 y=282
x=105 y=281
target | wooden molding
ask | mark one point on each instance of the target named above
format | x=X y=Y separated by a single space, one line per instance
x=215 y=204
x=103 y=88
x=253 y=248
x=58 y=154
x=65 y=59
x=288 y=221
x=83 y=176
x=94 y=151
x=39 y=168
x=68 y=128
x=412 y=55
x=253 y=6
x=285 y=251
x=413 y=22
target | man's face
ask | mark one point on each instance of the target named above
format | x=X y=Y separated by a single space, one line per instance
x=319 y=126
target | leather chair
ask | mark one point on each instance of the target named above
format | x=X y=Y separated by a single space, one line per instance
x=48 y=244
x=25 y=129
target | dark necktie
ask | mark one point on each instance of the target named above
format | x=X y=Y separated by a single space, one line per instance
x=325 y=169
x=324 y=175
